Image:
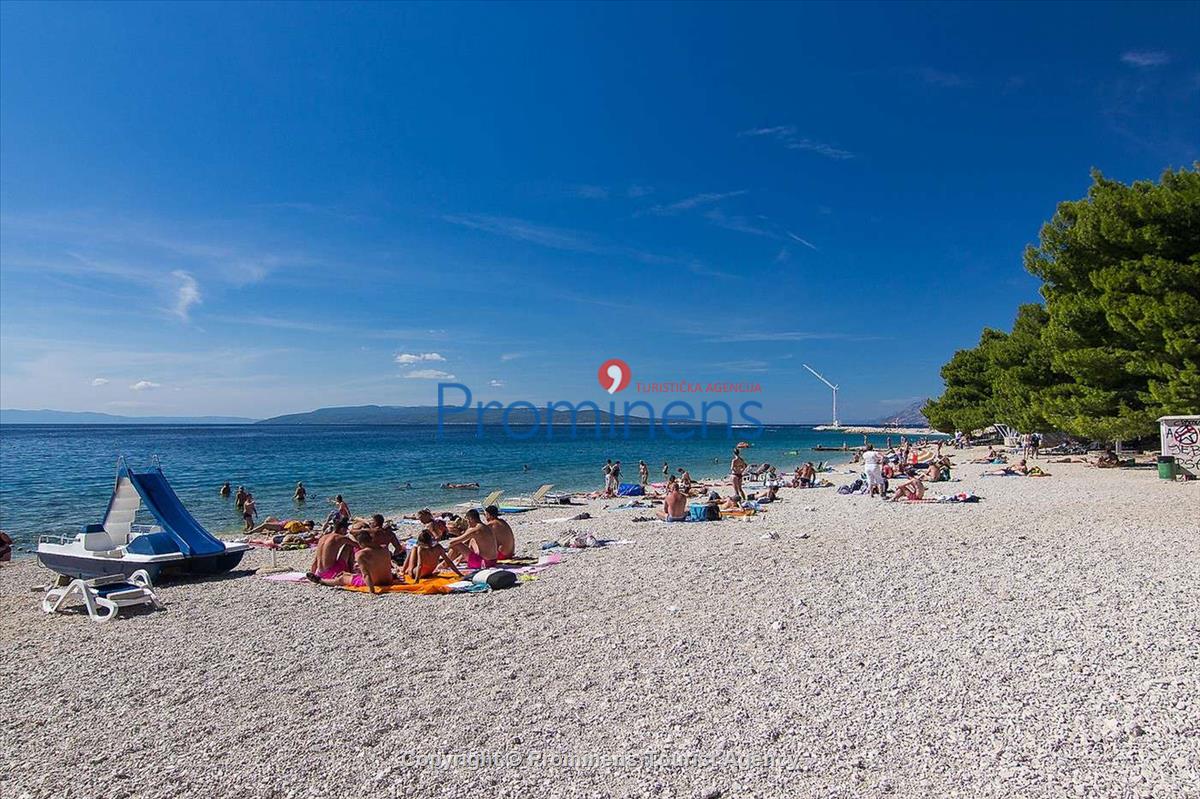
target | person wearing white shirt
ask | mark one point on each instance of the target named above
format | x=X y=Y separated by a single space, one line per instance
x=873 y=466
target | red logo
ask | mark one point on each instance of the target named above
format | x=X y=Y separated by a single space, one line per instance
x=614 y=375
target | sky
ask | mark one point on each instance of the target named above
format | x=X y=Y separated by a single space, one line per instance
x=258 y=209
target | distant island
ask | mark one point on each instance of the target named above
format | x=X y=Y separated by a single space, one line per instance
x=411 y=415
x=45 y=416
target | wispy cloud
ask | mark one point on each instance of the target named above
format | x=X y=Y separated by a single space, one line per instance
x=1145 y=58
x=521 y=230
x=756 y=226
x=748 y=365
x=405 y=358
x=145 y=385
x=747 y=336
x=496 y=383
x=938 y=77
x=805 y=242
x=789 y=137
x=100 y=381
x=554 y=238
x=512 y=356
x=187 y=294
x=635 y=191
x=428 y=374
x=740 y=224
x=589 y=192
x=696 y=200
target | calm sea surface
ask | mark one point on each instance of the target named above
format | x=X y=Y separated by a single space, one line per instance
x=54 y=478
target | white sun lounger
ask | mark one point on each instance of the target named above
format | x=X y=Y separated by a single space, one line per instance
x=104 y=596
x=535 y=499
x=490 y=499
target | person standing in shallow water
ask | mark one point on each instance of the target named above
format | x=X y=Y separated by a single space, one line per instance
x=737 y=467
x=225 y=490
x=643 y=473
x=301 y=494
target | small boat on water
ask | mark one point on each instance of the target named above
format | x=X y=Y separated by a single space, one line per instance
x=177 y=545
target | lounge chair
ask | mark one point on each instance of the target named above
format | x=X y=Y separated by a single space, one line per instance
x=535 y=499
x=490 y=499
x=104 y=596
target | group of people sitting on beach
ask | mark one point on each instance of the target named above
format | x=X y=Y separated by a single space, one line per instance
x=366 y=552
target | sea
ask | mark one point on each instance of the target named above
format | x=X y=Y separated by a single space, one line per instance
x=56 y=478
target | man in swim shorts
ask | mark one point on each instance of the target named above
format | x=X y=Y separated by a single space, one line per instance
x=372 y=568
x=384 y=537
x=674 y=506
x=477 y=546
x=506 y=542
x=334 y=551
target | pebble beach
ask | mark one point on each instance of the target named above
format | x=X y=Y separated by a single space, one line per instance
x=1044 y=642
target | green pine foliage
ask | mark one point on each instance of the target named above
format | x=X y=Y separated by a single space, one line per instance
x=1117 y=343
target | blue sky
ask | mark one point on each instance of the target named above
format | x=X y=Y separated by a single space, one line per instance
x=257 y=209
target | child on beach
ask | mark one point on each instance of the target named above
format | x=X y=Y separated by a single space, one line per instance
x=423 y=558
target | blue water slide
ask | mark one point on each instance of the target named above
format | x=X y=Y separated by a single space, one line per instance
x=162 y=501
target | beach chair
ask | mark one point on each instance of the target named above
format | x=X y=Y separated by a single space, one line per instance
x=536 y=498
x=490 y=499
x=104 y=596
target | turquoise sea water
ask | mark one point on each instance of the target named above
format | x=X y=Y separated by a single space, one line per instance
x=54 y=478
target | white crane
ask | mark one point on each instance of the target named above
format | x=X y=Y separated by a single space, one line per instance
x=831 y=385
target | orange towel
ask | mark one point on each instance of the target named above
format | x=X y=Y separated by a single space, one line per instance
x=439 y=584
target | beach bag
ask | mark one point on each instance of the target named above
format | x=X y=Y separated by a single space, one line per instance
x=494 y=578
x=696 y=513
x=630 y=490
x=712 y=512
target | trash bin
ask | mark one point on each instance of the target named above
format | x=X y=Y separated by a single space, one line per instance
x=1166 y=467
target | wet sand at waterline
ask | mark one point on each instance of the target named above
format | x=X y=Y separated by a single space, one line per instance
x=1043 y=642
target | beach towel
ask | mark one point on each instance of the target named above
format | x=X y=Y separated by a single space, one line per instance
x=439 y=584
x=286 y=577
x=630 y=490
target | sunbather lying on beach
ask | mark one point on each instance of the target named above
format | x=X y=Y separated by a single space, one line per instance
x=477 y=546
x=992 y=457
x=1020 y=470
x=674 y=505
x=914 y=489
x=424 y=558
x=373 y=567
x=506 y=542
x=1109 y=460
x=274 y=525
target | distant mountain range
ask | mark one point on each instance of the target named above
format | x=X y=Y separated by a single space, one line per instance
x=44 y=416
x=428 y=415
x=381 y=415
x=910 y=416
